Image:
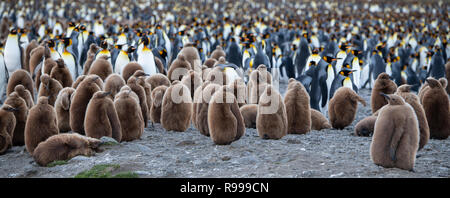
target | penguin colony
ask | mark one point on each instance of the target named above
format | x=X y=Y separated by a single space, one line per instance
x=72 y=74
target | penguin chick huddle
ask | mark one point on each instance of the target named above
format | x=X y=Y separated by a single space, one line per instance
x=72 y=73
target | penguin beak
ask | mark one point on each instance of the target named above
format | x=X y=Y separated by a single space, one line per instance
x=385 y=95
x=11 y=109
x=107 y=93
x=146 y=74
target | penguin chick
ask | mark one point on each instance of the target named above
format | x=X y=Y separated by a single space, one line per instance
x=36 y=56
x=148 y=92
x=297 y=108
x=425 y=87
x=205 y=72
x=24 y=94
x=249 y=113
x=176 y=110
x=158 y=80
x=447 y=74
x=225 y=121
x=318 y=121
x=41 y=124
x=80 y=100
x=259 y=79
x=238 y=88
x=62 y=107
x=191 y=55
x=157 y=98
x=113 y=84
x=202 y=99
x=437 y=110
x=413 y=100
x=101 y=117
x=21 y=77
x=62 y=74
x=271 y=121
x=179 y=68
x=217 y=76
x=93 y=49
x=7 y=126
x=140 y=92
x=342 y=107
x=49 y=64
x=366 y=126
x=192 y=81
x=50 y=88
x=217 y=53
x=101 y=67
x=65 y=147
x=382 y=84
x=395 y=140
x=21 y=114
x=78 y=81
x=31 y=46
x=129 y=70
x=210 y=62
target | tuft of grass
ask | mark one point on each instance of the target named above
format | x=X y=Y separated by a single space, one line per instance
x=105 y=171
x=57 y=163
x=126 y=175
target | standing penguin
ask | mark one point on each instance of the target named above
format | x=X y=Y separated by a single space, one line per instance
x=24 y=94
x=146 y=58
x=343 y=106
x=157 y=98
x=70 y=59
x=123 y=59
x=62 y=107
x=20 y=77
x=80 y=101
x=395 y=140
x=13 y=52
x=176 y=108
x=297 y=108
x=4 y=75
x=271 y=121
x=41 y=124
x=101 y=67
x=21 y=114
x=225 y=121
x=133 y=83
x=437 y=108
x=385 y=85
x=7 y=125
x=50 y=88
x=101 y=117
x=113 y=84
x=413 y=100
x=61 y=73
x=130 y=115
x=202 y=98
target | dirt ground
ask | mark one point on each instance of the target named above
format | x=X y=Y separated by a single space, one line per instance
x=160 y=153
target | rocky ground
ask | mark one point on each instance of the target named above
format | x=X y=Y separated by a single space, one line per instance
x=160 y=153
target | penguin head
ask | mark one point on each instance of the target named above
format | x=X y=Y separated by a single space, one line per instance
x=51 y=43
x=66 y=41
x=404 y=88
x=315 y=51
x=13 y=31
x=104 y=44
x=140 y=73
x=393 y=99
x=328 y=59
x=43 y=100
x=60 y=63
x=131 y=49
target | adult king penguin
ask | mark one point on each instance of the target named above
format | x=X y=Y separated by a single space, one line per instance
x=146 y=58
x=13 y=52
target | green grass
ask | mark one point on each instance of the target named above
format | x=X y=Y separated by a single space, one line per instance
x=57 y=163
x=105 y=171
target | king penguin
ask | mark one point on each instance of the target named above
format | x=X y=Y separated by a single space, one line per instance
x=70 y=59
x=13 y=52
x=146 y=58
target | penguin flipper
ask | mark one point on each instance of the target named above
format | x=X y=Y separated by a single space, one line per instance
x=324 y=91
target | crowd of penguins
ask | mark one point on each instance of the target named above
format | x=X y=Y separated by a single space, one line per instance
x=73 y=72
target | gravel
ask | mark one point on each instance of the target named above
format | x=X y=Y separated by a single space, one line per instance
x=159 y=153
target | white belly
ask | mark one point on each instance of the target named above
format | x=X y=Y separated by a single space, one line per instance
x=3 y=81
x=365 y=74
x=70 y=62
x=147 y=61
x=121 y=61
x=12 y=56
